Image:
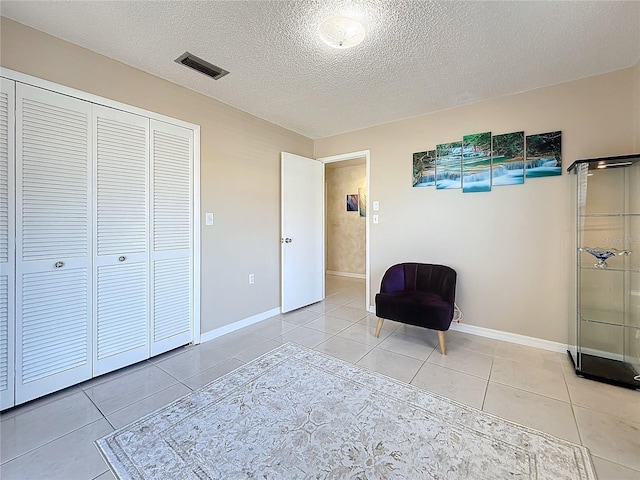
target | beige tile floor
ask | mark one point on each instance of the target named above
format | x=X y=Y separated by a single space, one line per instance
x=53 y=437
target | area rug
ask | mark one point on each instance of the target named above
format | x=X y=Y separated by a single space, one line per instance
x=297 y=414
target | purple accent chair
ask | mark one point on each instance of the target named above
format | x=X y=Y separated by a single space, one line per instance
x=418 y=294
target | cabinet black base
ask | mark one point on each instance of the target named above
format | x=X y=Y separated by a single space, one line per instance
x=606 y=370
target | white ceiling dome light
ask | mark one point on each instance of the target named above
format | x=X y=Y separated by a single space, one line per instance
x=341 y=32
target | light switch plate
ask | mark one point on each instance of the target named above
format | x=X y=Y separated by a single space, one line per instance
x=376 y=206
x=375 y=219
x=209 y=218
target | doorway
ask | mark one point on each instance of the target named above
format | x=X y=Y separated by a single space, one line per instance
x=347 y=253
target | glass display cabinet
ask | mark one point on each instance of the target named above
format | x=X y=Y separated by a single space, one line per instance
x=604 y=340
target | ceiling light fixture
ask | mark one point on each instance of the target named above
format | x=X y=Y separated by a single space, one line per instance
x=341 y=32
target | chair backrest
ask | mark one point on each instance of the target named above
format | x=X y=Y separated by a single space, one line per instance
x=425 y=277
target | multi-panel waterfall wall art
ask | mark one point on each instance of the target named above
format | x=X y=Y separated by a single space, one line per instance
x=508 y=159
x=476 y=162
x=424 y=169
x=449 y=165
x=482 y=161
x=544 y=157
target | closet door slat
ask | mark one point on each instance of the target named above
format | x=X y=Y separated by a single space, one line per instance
x=7 y=234
x=172 y=236
x=53 y=241
x=121 y=260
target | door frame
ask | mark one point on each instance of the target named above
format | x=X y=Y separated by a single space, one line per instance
x=352 y=156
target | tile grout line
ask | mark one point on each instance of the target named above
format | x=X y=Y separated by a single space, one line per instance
x=486 y=390
x=54 y=440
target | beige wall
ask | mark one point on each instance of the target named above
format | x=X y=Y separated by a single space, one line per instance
x=240 y=166
x=513 y=247
x=346 y=236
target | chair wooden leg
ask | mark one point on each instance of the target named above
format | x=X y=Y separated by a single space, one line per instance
x=379 y=327
x=443 y=346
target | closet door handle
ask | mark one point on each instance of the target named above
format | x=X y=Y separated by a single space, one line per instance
x=58 y=264
x=122 y=258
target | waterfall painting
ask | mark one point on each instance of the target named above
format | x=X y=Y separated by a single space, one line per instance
x=544 y=155
x=481 y=161
x=508 y=159
x=424 y=169
x=476 y=162
x=449 y=165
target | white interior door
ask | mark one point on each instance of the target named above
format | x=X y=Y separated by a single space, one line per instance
x=53 y=241
x=121 y=256
x=172 y=309
x=7 y=232
x=302 y=231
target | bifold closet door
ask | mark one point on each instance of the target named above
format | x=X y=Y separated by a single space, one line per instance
x=121 y=260
x=53 y=241
x=171 y=237
x=7 y=232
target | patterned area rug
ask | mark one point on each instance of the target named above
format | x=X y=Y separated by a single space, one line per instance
x=297 y=414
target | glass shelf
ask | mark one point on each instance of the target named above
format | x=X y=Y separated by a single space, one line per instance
x=610 y=215
x=617 y=319
x=611 y=269
x=604 y=335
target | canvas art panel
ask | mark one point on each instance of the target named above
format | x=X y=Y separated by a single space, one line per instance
x=508 y=159
x=362 y=201
x=544 y=155
x=352 y=202
x=476 y=162
x=424 y=169
x=449 y=165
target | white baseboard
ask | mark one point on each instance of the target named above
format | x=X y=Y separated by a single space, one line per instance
x=460 y=327
x=510 y=337
x=346 y=274
x=504 y=336
x=232 y=327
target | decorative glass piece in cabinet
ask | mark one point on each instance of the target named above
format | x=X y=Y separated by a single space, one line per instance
x=604 y=338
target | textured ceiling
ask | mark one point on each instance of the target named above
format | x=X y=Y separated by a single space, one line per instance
x=418 y=57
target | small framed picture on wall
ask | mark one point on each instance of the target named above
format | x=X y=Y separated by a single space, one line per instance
x=352 y=202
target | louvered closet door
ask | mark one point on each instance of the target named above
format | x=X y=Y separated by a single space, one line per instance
x=171 y=237
x=7 y=232
x=53 y=242
x=121 y=262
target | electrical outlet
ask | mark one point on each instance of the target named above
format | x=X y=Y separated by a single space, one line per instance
x=209 y=218
x=376 y=206
x=252 y=278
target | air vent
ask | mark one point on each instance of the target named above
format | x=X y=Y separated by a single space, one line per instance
x=202 y=66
